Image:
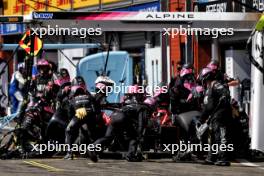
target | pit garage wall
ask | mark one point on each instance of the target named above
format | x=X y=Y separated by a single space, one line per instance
x=238 y=67
x=153 y=66
x=74 y=55
x=178 y=44
x=178 y=41
x=208 y=49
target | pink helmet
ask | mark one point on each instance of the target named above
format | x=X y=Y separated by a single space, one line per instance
x=213 y=65
x=43 y=62
x=205 y=74
x=205 y=71
x=186 y=71
x=76 y=90
x=62 y=81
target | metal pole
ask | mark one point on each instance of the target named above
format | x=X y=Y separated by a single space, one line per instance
x=214 y=48
x=108 y=51
x=71 y=1
x=22 y=9
x=100 y=5
x=262 y=56
x=164 y=43
x=46 y=6
x=189 y=51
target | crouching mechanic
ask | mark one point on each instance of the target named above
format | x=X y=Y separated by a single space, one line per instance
x=217 y=114
x=82 y=112
x=131 y=118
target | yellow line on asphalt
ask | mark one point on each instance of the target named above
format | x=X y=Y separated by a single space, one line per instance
x=49 y=168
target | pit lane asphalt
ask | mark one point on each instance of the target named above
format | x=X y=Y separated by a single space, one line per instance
x=105 y=167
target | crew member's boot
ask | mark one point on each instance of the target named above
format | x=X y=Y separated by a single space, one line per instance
x=68 y=156
x=222 y=159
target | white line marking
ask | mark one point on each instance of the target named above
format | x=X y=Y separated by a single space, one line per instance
x=249 y=164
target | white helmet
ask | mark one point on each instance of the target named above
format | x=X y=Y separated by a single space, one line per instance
x=21 y=65
x=104 y=79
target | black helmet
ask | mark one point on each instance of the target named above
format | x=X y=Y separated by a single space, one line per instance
x=213 y=65
x=63 y=78
x=187 y=72
x=188 y=66
x=77 y=90
x=78 y=81
x=205 y=75
x=53 y=66
x=43 y=66
x=64 y=73
x=179 y=65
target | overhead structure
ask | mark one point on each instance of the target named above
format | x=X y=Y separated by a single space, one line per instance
x=57 y=46
x=136 y=21
x=143 y=21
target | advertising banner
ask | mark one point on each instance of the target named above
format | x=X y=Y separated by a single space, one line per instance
x=89 y=3
x=229 y=6
x=146 y=16
x=24 y=7
x=7 y=29
x=147 y=7
x=214 y=6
